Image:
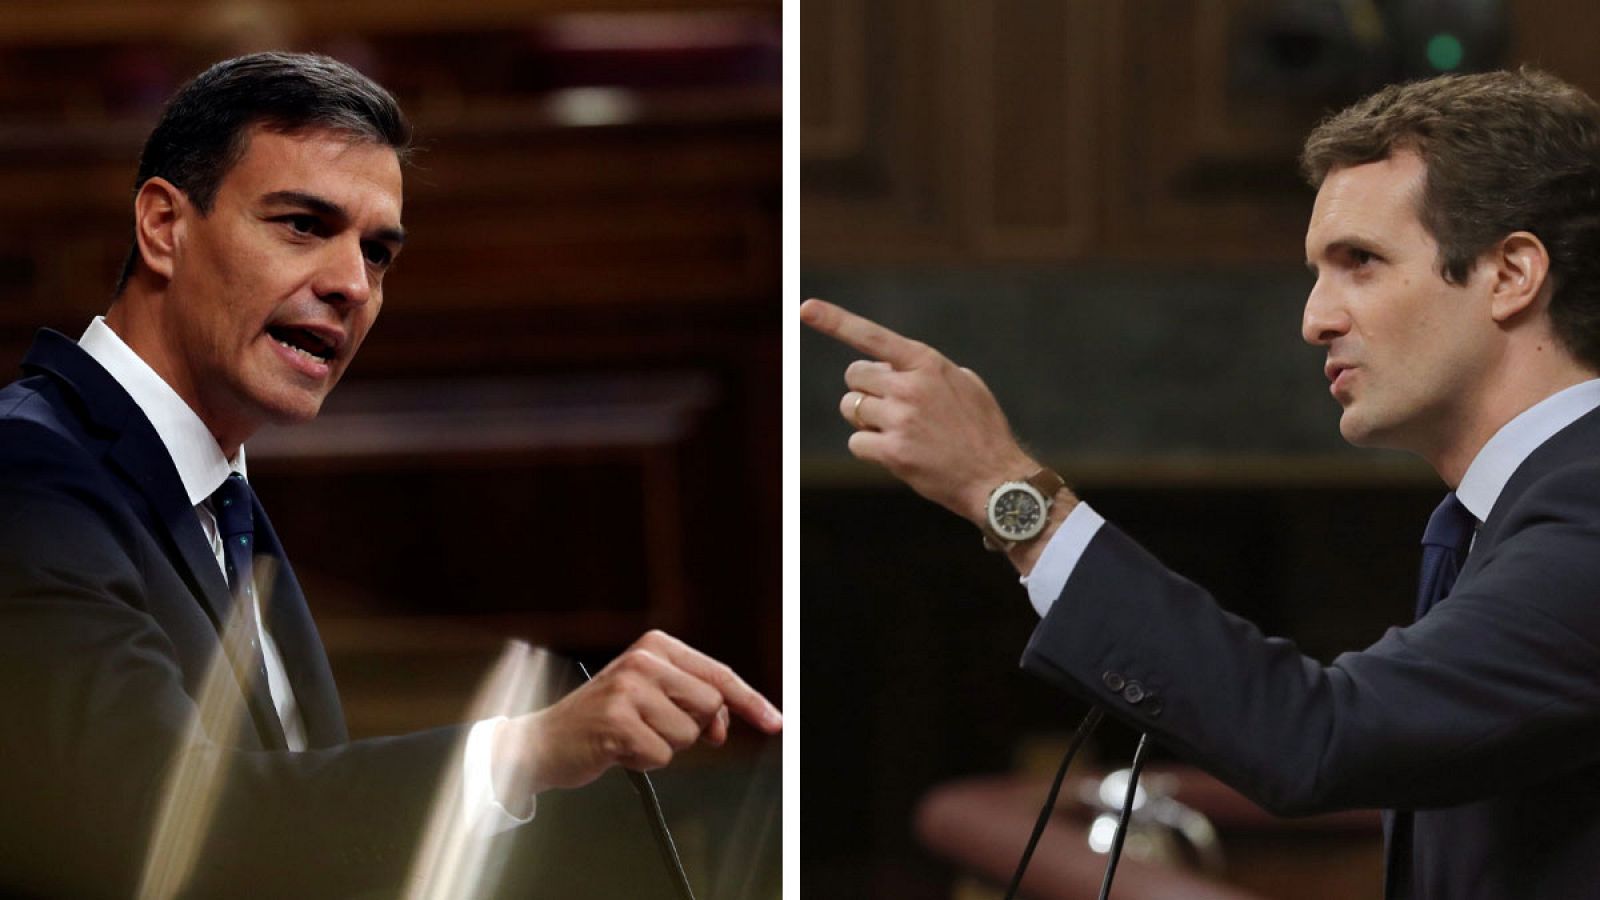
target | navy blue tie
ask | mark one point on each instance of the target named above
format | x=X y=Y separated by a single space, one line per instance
x=1444 y=547
x=233 y=505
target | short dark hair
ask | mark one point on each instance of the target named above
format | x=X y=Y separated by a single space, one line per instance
x=203 y=131
x=1504 y=152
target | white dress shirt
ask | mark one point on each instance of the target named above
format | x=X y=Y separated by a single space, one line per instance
x=1480 y=487
x=202 y=468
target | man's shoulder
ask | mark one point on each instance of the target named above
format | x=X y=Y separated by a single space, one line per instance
x=49 y=452
x=1566 y=466
x=66 y=390
x=31 y=398
x=1557 y=487
x=75 y=445
x=63 y=505
x=37 y=421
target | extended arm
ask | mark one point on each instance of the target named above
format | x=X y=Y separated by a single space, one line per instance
x=1498 y=687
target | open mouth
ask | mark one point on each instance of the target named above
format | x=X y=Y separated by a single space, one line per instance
x=303 y=341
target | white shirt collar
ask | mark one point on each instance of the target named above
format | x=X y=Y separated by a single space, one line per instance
x=1493 y=466
x=194 y=452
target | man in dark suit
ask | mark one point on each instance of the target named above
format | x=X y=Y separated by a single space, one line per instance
x=267 y=210
x=1454 y=241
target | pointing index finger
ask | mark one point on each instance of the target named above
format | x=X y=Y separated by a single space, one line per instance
x=863 y=334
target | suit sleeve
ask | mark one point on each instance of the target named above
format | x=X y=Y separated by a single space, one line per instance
x=95 y=706
x=1497 y=688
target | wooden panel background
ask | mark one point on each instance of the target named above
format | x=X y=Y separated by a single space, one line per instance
x=1008 y=130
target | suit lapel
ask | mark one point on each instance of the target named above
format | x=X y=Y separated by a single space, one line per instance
x=151 y=481
x=1569 y=445
x=300 y=645
x=188 y=547
x=156 y=482
x=136 y=453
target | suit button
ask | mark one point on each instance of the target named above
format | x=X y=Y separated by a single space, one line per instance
x=1113 y=681
x=1152 y=707
x=1133 y=692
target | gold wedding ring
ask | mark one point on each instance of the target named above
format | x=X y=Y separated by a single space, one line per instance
x=855 y=412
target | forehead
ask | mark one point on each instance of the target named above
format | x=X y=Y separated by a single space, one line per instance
x=1371 y=202
x=360 y=175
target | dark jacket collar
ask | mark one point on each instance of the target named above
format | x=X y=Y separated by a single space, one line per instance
x=1571 y=445
x=135 y=452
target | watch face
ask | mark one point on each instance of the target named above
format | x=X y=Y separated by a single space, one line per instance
x=1017 y=514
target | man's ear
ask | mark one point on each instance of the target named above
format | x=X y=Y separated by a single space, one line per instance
x=158 y=222
x=1520 y=267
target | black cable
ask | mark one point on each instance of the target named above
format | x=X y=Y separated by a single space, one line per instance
x=1127 y=814
x=658 y=824
x=1085 y=728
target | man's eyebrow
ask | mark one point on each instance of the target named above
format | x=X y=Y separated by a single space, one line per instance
x=1342 y=245
x=324 y=207
x=312 y=202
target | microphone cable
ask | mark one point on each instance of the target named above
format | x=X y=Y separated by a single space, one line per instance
x=1086 y=727
x=658 y=823
x=1127 y=814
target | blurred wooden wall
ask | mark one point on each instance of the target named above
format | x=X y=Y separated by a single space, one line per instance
x=1083 y=130
x=565 y=426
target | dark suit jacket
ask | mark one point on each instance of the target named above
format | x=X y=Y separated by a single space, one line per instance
x=1483 y=717
x=110 y=600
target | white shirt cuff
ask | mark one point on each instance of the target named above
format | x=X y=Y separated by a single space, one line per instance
x=1055 y=564
x=479 y=803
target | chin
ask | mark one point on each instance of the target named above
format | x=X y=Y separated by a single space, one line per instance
x=299 y=414
x=291 y=407
x=1363 y=431
x=1356 y=431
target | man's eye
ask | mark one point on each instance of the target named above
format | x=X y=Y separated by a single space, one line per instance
x=301 y=224
x=377 y=254
x=1361 y=257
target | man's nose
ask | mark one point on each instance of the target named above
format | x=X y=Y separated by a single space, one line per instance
x=344 y=279
x=1325 y=317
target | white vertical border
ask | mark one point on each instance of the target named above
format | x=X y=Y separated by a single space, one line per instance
x=790 y=303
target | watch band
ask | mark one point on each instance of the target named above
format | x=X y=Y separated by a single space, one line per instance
x=1048 y=484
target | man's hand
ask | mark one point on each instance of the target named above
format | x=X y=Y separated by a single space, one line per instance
x=931 y=423
x=659 y=697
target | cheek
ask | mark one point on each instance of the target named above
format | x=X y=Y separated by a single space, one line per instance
x=368 y=314
x=1403 y=329
x=229 y=257
x=361 y=323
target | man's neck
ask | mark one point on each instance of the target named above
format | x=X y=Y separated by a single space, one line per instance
x=142 y=335
x=200 y=462
x=1504 y=400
